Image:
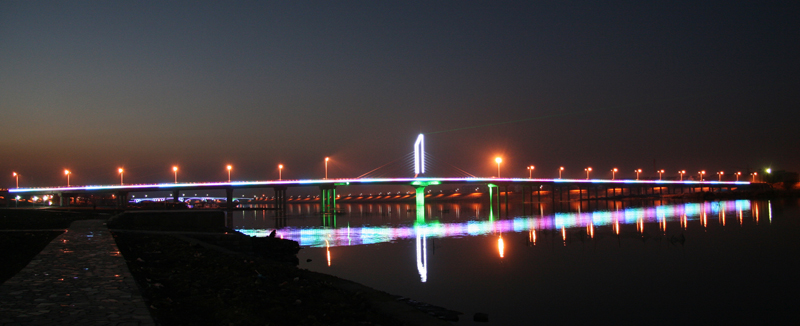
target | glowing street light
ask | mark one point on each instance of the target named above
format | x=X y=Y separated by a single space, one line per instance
x=120 y=176
x=498 y=160
x=530 y=171
x=175 y=170
x=701 y=173
x=561 y=169
x=16 y=176
x=67 y=173
x=587 y=172
x=613 y=173
x=754 y=174
x=769 y=170
x=637 y=173
x=737 y=176
x=660 y=173
x=720 y=173
x=682 y=172
x=280 y=170
x=229 y=167
x=326 y=167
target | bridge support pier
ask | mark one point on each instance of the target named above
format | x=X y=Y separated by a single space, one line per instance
x=492 y=190
x=62 y=197
x=419 y=194
x=327 y=199
x=506 y=200
x=122 y=199
x=280 y=201
x=228 y=198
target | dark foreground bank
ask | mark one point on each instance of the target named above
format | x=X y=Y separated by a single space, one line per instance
x=213 y=276
x=24 y=233
x=192 y=271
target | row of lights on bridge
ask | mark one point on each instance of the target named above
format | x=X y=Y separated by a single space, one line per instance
x=497 y=160
x=121 y=172
x=614 y=171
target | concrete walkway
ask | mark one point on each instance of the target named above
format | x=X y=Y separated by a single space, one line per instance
x=80 y=278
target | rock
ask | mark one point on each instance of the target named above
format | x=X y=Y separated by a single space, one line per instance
x=481 y=317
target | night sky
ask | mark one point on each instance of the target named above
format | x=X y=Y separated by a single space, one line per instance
x=93 y=86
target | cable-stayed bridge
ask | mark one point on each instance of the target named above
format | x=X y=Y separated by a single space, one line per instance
x=424 y=167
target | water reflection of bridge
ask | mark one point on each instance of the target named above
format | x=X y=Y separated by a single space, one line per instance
x=587 y=224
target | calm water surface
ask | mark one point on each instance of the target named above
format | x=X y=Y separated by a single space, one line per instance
x=723 y=262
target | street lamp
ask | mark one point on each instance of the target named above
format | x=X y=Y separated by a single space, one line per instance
x=682 y=172
x=280 y=170
x=530 y=171
x=67 y=173
x=326 y=167
x=754 y=174
x=120 y=176
x=637 y=173
x=498 y=160
x=701 y=173
x=587 y=172
x=175 y=170
x=720 y=173
x=613 y=173
x=16 y=176
x=660 y=173
x=229 y=167
x=737 y=176
x=561 y=169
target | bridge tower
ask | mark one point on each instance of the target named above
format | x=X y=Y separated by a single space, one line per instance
x=419 y=156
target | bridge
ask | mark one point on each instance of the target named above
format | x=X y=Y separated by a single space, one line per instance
x=603 y=188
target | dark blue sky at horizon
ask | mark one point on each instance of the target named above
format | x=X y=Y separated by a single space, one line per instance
x=92 y=86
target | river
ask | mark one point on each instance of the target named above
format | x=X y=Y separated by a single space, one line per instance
x=621 y=262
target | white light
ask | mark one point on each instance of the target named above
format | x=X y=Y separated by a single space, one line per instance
x=419 y=155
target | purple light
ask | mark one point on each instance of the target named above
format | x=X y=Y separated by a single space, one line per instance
x=254 y=184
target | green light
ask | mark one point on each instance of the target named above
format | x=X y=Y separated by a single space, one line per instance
x=769 y=170
x=420 y=194
x=426 y=183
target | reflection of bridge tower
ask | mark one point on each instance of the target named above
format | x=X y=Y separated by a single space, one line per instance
x=422 y=252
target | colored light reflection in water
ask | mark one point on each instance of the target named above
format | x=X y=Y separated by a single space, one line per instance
x=422 y=254
x=634 y=276
x=501 y=246
x=328 y=251
x=315 y=236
